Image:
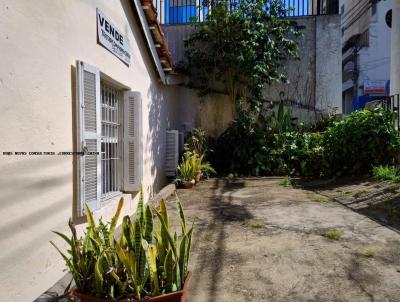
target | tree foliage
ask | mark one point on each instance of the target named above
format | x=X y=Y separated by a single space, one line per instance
x=239 y=50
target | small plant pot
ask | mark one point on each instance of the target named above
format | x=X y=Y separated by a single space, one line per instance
x=197 y=177
x=188 y=184
x=178 y=296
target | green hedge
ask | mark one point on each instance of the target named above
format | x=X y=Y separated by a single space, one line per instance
x=362 y=140
x=347 y=147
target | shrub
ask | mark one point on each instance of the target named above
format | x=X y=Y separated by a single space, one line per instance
x=386 y=173
x=360 y=141
x=234 y=149
x=242 y=152
x=350 y=146
x=297 y=154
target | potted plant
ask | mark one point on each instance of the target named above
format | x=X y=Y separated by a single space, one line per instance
x=143 y=264
x=196 y=164
x=186 y=171
x=200 y=167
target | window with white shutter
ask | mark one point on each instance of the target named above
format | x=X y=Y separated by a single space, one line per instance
x=132 y=141
x=89 y=133
x=109 y=137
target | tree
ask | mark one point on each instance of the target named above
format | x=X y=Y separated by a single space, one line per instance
x=239 y=50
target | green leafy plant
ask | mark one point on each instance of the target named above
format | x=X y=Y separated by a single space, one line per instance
x=198 y=142
x=91 y=259
x=201 y=166
x=282 y=121
x=174 y=253
x=187 y=168
x=360 y=141
x=131 y=266
x=386 y=173
x=240 y=51
x=350 y=146
x=193 y=164
x=286 y=182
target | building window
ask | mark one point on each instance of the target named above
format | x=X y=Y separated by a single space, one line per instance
x=373 y=9
x=364 y=39
x=110 y=140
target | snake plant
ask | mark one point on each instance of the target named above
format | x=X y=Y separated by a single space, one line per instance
x=186 y=169
x=131 y=266
x=91 y=259
x=173 y=254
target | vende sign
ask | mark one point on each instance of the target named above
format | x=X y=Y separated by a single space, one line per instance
x=375 y=87
x=112 y=38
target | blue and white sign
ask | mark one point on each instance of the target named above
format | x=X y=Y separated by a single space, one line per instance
x=112 y=38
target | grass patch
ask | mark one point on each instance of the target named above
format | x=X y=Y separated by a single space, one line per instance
x=386 y=173
x=254 y=224
x=332 y=234
x=360 y=193
x=286 y=182
x=369 y=253
x=319 y=198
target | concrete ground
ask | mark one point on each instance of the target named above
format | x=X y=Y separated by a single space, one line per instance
x=256 y=240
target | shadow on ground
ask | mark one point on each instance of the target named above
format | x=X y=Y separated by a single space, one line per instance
x=379 y=201
x=255 y=240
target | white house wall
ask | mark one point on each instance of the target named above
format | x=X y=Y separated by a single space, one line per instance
x=40 y=42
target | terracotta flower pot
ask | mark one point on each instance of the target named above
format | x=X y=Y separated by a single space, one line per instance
x=188 y=184
x=197 y=177
x=178 y=296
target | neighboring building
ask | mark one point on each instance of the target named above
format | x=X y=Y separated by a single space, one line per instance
x=366 y=36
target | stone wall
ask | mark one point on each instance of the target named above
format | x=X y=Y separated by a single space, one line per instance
x=314 y=81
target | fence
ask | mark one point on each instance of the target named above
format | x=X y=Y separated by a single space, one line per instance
x=188 y=11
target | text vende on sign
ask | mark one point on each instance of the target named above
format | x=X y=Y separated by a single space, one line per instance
x=112 y=38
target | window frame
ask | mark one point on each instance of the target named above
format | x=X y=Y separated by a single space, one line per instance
x=120 y=165
x=85 y=90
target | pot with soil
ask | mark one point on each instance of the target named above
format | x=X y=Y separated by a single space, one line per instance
x=178 y=296
x=197 y=177
x=188 y=184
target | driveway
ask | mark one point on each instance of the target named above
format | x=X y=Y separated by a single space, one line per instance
x=256 y=240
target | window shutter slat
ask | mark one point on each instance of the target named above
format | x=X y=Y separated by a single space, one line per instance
x=132 y=141
x=89 y=135
x=171 y=152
